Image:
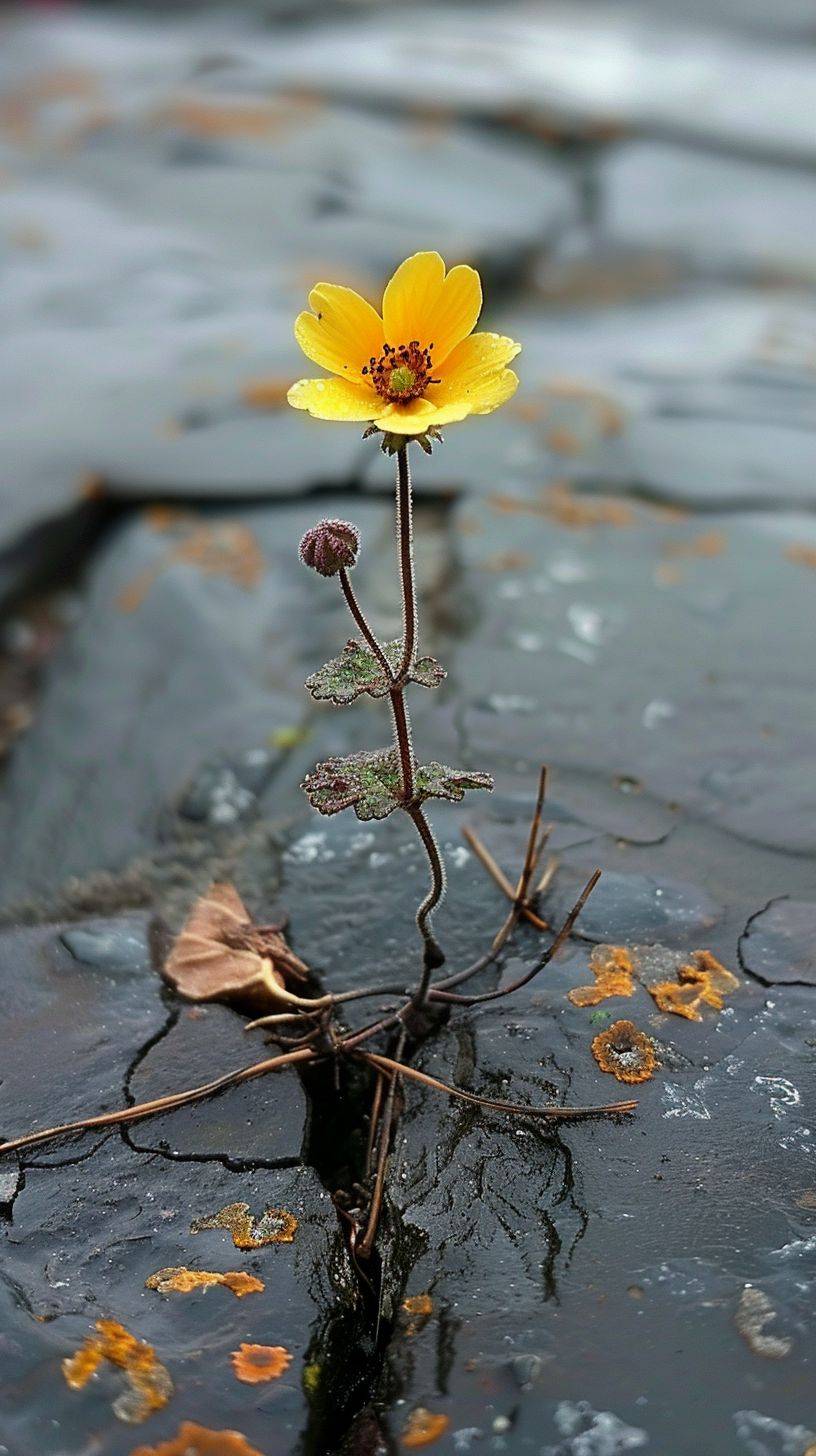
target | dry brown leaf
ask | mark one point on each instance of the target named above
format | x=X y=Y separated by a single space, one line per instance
x=184 y=1281
x=149 y=1386
x=423 y=1427
x=221 y=956
x=255 y=1364
x=276 y=1226
x=193 y=1440
x=625 y=1052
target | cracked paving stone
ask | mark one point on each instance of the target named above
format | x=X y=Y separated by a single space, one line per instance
x=259 y=1123
x=721 y=217
x=578 y=72
x=649 y=656
x=177 y=670
x=75 y=1019
x=572 y=1266
x=82 y=1243
x=779 y=944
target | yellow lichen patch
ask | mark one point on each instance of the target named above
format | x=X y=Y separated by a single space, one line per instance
x=706 y=545
x=611 y=965
x=276 y=1226
x=700 y=981
x=193 y=1440
x=802 y=555
x=424 y=1427
x=625 y=1052
x=183 y=1281
x=255 y=1364
x=149 y=1386
x=418 y=1308
x=222 y=548
x=559 y=503
x=265 y=394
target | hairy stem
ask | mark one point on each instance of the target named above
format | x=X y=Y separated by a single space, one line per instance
x=359 y=617
x=405 y=538
x=433 y=952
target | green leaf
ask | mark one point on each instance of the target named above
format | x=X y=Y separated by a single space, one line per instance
x=358 y=671
x=371 y=784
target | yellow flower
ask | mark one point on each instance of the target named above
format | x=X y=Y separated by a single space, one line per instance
x=419 y=366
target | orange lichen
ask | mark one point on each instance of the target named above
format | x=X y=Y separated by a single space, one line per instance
x=423 y=1428
x=222 y=548
x=707 y=544
x=418 y=1308
x=221 y=955
x=507 y=561
x=560 y=504
x=625 y=1052
x=700 y=981
x=265 y=394
x=611 y=965
x=255 y=1364
x=193 y=1440
x=149 y=1384
x=802 y=555
x=183 y=1281
x=276 y=1226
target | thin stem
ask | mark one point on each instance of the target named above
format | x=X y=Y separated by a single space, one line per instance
x=374 y=1118
x=405 y=537
x=433 y=952
x=496 y=873
x=357 y=613
x=439 y=994
x=386 y=1128
x=399 y=1069
x=161 y=1104
x=402 y=735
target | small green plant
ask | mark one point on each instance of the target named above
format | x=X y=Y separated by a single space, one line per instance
x=404 y=374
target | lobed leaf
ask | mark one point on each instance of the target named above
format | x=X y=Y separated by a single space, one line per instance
x=358 y=671
x=371 y=784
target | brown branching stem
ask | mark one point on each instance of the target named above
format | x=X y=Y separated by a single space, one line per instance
x=399 y=1069
x=383 y=1147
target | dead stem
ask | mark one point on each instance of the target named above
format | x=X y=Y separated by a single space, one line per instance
x=439 y=994
x=384 y=1144
x=399 y=1069
x=161 y=1104
x=496 y=873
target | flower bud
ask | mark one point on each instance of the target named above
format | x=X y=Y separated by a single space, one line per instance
x=330 y=545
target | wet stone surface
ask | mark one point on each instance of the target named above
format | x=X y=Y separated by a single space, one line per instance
x=617 y=572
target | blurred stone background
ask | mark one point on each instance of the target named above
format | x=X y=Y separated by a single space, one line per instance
x=619 y=572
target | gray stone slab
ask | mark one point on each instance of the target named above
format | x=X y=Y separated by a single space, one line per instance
x=177 y=694
x=80 y=1002
x=583 y=70
x=84 y=1240
x=722 y=217
x=778 y=945
x=645 y=659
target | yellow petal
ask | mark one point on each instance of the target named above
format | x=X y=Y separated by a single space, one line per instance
x=410 y=299
x=494 y=392
x=418 y=416
x=472 y=365
x=455 y=313
x=334 y=399
x=342 y=332
x=422 y=303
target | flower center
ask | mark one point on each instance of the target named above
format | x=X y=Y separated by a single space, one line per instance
x=401 y=373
